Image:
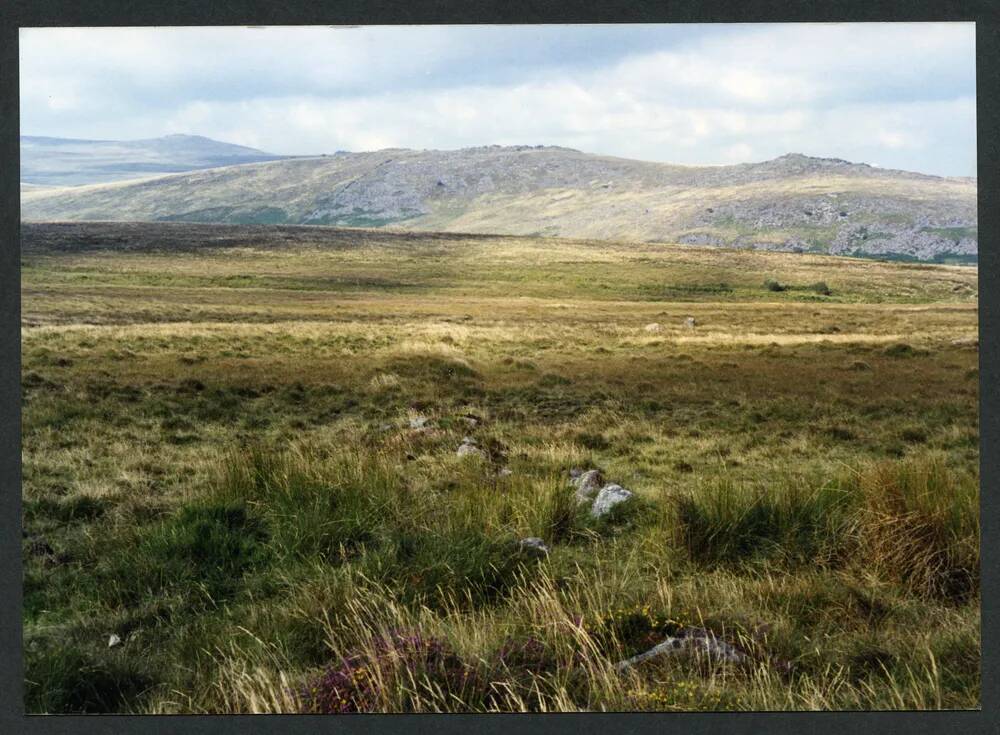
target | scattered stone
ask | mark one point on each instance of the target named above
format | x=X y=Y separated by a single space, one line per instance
x=468 y=447
x=419 y=422
x=533 y=545
x=471 y=419
x=587 y=485
x=610 y=496
x=505 y=472
x=690 y=322
x=114 y=641
x=590 y=484
x=654 y=327
x=696 y=641
x=965 y=342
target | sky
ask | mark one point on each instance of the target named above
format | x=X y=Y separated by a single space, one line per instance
x=896 y=95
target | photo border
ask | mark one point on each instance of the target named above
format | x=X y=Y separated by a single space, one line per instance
x=15 y=14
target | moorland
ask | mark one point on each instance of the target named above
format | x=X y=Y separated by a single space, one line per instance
x=243 y=490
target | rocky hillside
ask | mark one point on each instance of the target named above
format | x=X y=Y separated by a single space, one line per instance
x=71 y=162
x=793 y=202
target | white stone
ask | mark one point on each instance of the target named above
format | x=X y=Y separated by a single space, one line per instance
x=467 y=448
x=534 y=544
x=610 y=496
x=696 y=641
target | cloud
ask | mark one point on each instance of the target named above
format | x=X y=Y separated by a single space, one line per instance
x=903 y=93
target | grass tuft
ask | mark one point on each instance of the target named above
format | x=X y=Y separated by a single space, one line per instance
x=792 y=521
x=920 y=525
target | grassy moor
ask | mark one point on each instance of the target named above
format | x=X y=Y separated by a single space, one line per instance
x=308 y=469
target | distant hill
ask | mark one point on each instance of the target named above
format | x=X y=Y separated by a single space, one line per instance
x=71 y=162
x=794 y=202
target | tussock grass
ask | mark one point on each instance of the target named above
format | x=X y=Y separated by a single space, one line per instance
x=330 y=514
x=914 y=522
x=920 y=525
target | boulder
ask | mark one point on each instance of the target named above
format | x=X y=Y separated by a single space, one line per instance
x=533 y=546
x=690 y=322
x=419 y=422
x=587 y=485
x=609 y=496
x=468 y=448
x=114 y=641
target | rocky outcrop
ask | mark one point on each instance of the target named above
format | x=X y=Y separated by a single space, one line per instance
x=922 y=243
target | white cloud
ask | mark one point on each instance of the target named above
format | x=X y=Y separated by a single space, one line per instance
x=701 y=94
x=738 y=152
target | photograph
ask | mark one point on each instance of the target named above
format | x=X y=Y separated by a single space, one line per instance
x=530 y=368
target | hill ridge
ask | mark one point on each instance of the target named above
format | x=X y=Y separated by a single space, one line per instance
x=53 y=161
x=793 y=202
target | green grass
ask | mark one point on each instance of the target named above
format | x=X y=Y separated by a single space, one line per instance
x=790 y=521
x=219 y=468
